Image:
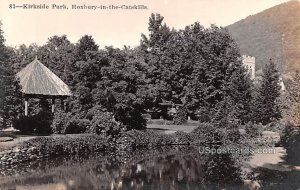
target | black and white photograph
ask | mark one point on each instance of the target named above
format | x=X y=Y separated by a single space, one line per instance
x=149 y=94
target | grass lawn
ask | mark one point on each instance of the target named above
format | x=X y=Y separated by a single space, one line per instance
x=165 y=126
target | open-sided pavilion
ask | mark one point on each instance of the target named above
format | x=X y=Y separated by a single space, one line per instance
x=37 y=81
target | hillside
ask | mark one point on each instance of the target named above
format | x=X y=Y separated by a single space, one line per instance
x=273 y=33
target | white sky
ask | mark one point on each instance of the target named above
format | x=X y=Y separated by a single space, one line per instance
x=121 y=27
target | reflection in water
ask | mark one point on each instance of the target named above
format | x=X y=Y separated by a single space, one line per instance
x=174 y=169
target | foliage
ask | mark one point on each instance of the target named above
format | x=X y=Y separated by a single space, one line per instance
x=64 y=145
x=253 y=130
x=291 y=142
x=96 y=120
x=217 y=135
x=60 y=122
x=135 y=139
x=36 y=124
x=10 y=93
x=277 y=126
x=121 y=90
x=24 y=124
x=221 y=171
x=182 y=138
x=225 y=138
x=181 y=116
x=265 y=106
x=292 y=99
x=197 y=67
x=77 y=124
x=103 y=124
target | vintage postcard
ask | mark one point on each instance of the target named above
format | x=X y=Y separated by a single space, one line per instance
x=149 y=94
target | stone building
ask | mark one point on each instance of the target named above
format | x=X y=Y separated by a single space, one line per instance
x=249 y=63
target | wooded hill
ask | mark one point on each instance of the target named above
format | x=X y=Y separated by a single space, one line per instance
x=273 y=33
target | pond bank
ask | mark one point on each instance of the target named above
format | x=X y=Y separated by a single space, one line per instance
x=52 y=146
x=10 y=144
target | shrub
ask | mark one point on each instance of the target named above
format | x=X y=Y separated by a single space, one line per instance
x=291 y=142
x=43 y=122
x=220 y=169
x=77 y=125
x=135 y=139
x=181 y=116
x=202 y=133
x=66 y=123
x=64 y=145
x=60 y=121
x=38 y=124
x=253 y=130
x=132 y=118
x=182 y=138
x=216 y=136
x=104 y=124
x=274 y=126
x=25 y=124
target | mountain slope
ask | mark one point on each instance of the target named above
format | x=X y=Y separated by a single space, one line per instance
x=273 y=33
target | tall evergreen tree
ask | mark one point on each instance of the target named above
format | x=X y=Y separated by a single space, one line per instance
x=265 y=106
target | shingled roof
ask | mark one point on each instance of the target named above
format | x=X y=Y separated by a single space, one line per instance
x=37 y=79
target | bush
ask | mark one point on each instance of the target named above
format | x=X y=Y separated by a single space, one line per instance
x=181 y=116
x=66 y=123
x=132 y=118
x=104 y=125
x=25 y=124
x=60 y=121
x=253 y=130
x=202 y=133
x=291 y=142
x=216 y=136
x=37 y=124
x=274 y=126
x=96 y=120
x=220 y=169
x=135 y=139
x=64 y=145
x=77 y=125
x=183 y=138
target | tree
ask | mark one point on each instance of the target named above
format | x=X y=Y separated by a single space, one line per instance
x=120 y=90
x=196 y=67
x=291 y=100
x=155 y=51
x=59 y=55
x=86 y=44
x=10 y=93
x=265 y=107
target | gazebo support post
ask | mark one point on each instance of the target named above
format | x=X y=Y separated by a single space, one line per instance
x=26 y=106
x=62 y=104
x=53 y=105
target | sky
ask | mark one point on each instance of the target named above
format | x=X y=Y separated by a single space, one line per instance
x=117 y=27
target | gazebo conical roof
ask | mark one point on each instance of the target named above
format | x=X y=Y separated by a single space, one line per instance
x=37 y=79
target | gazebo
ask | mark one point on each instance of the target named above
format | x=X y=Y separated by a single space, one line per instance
x=37 y=81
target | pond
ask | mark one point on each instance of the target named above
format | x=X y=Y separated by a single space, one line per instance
x=169 y=168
